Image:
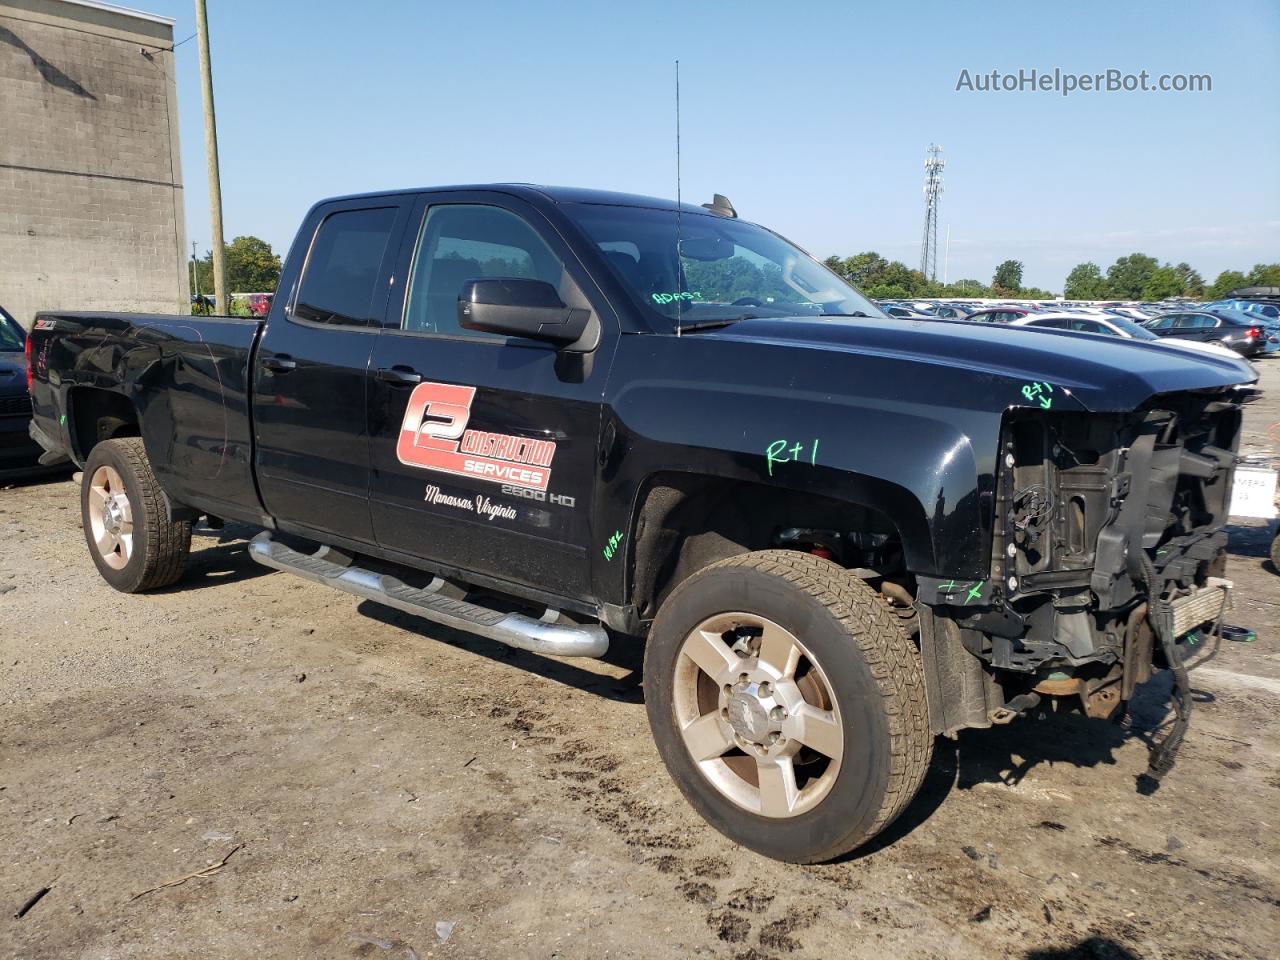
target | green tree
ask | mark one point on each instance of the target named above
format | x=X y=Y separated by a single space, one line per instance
x=867 y=268
x=1192 y=282
x=1128 y=276
x=1227 y=281
x=1264 y=275
x=1008 y=277
x=1085 y=282
x=887 y=291
x=251 y=265
x=1162 y=283
x=966 y=288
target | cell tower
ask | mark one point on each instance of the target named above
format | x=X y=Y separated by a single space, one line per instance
x=933 y=164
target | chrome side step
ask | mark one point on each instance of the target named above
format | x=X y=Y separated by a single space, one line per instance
x=543 y=636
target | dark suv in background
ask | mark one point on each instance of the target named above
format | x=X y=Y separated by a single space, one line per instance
x=18 y=452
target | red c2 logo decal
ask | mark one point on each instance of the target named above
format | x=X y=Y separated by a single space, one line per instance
x=434 y=436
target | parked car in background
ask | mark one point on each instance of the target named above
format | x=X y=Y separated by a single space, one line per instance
x=260 y=304
x=19 y=454
x=999 y=315
x=905 y=313
x=1129 y=313
x=1113 y=326
x=1245 y=335
x=1266 y=310
x=951 y=311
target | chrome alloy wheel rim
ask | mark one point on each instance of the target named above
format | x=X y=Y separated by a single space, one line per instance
x=757 y=715
x=110 y=517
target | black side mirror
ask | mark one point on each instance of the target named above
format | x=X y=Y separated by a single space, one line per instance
x=516 y=307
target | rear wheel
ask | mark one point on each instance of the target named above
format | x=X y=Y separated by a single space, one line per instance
x=787 y=703
x=134 y=544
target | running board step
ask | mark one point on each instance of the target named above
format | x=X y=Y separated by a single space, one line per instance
x=515 y=630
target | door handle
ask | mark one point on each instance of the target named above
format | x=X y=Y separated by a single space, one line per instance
x=399 y=376
x=280 y=363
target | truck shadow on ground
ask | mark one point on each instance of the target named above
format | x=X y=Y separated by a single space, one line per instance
x=220 y=565
x=1007 y=754
x=1091 y=948
x=624 y=653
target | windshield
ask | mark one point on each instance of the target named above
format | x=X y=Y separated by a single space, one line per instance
x=11 y=336
x=726 y=269
x=1137 y=331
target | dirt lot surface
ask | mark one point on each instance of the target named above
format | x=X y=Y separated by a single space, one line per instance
x=313 y=776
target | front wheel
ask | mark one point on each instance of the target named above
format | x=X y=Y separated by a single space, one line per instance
x=787 y=703
x=134 y=544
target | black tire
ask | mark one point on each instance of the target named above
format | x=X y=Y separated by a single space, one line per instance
x=159 y=546
x=872 y=669
x=1275 y=553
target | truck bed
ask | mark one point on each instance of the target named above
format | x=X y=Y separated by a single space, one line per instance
x=187 y=376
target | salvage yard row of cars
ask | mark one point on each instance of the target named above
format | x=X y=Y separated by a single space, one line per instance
x=1248 y=327
x=564 y=419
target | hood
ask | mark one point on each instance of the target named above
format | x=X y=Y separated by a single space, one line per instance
x=1102 y=373
x=13 y=374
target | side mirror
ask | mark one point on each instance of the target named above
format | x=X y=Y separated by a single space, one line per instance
x=516 y=307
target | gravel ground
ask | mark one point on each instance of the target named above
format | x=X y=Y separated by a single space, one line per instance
x=250 y=765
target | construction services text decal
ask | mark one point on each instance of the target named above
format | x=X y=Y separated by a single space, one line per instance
x=434 y=436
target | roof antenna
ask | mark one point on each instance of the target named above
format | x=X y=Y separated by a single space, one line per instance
x=679 y=205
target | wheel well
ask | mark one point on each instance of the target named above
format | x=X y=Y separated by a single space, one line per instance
x=686 y=522
x=98 y=415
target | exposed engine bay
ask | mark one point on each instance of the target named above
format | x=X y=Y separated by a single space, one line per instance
x=1108 y=549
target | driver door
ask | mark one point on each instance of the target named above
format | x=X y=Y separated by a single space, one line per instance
x=484 y=448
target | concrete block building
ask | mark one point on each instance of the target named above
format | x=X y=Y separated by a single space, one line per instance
x=90 y=178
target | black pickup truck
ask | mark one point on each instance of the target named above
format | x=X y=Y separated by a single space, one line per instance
x=560 y=417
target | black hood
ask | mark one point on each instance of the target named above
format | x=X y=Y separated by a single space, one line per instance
x=1100 y=373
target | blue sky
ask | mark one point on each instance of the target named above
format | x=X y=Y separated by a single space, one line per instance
x=813 y=118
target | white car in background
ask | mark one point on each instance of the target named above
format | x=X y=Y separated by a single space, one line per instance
x=1112 y=326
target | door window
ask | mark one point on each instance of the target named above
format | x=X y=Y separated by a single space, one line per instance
x=461 y=242
x=1088 y=326
x=1194 y=321
x=343 y=267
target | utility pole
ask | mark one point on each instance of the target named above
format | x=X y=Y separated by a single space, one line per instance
x=195 y=274
x=946 y=258
x=211 y=152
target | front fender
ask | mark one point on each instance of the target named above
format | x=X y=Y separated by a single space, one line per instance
x=869 y=431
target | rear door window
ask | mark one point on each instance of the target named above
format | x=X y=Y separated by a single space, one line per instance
x=1195 y=321
x=344 y=267
x=1088 y=326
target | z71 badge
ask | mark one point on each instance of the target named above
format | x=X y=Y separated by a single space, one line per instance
x=434 y=436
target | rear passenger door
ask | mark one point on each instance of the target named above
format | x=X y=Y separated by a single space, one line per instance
x=484 y=448
x=310 y=413
x=1195 y=326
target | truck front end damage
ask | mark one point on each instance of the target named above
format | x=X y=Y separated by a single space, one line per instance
x=1108 y=548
